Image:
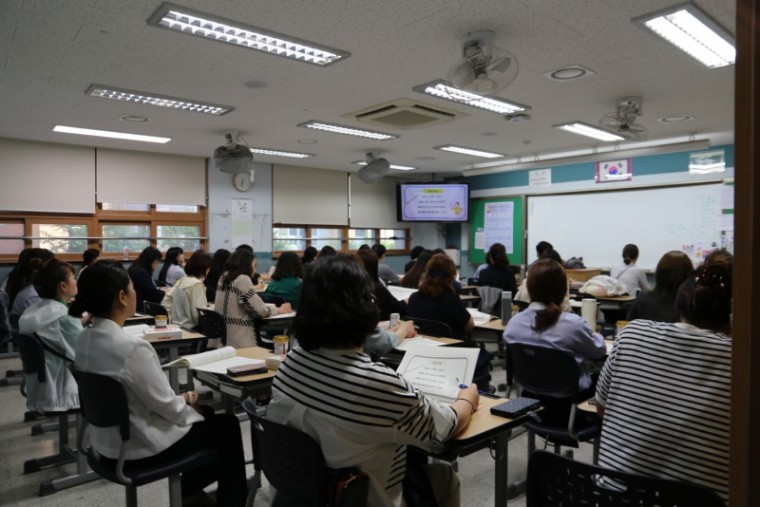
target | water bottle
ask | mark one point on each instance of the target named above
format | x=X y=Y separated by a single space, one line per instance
x=126 y=253
x=393 y=322
x=506 y=306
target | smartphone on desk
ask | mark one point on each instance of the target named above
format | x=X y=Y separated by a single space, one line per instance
x=515 y=407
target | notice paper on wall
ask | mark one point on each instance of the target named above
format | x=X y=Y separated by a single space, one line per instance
x=438 y=371
x=499 y=224
x=241 y=218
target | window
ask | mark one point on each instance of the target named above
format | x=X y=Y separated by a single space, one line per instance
x=326 y=237
x=11 y=238
x=286 y=239
x=121 y=234
x=359 y=237
x=60 y=238
x=184 y=236
x=393 y=239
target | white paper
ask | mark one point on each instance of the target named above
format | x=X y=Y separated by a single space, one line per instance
x=540 y=178
x=221 y=366
x=499 y=224
x=438 y=371
x=727 y=196
x=413 y=343
x=400 y=293
x=210 y=356
x=480 y=240
x=241 y=219
x=480 y=317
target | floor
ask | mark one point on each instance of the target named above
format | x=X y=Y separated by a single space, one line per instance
x=17 y=445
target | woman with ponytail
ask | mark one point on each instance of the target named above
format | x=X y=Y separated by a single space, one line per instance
x=20 y=289
x=544 y=323
x=633 y=278
x=49 y=318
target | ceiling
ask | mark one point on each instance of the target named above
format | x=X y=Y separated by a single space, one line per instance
x=51 y=51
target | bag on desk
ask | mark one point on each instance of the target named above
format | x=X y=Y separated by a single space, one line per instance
x=348 y=487
x=603 y=286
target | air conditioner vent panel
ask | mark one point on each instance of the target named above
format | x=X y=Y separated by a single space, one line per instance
x=405 y=114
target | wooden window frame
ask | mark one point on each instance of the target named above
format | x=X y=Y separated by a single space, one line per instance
x=344 y=237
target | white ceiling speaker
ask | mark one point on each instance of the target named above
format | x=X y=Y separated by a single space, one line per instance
x=234 y=156
x=484 y=68
x=375 y=168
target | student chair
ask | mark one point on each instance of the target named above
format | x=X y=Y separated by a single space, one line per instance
x=154 y=308
x=551 y=375
x=294 y=465
x=211 y=324
x=434 y=328
x=104 y=404
x=33 y=361
x=556 y=481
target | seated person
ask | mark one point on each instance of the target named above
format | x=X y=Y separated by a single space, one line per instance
x=628 y=273
x=162 y=424
x=544 y=323
x=660 y=303
x=309 y=255
x=437 y=300
x=286 y=279
x=498 y=274
x=236 y=300
x=173 y=268
x=523 y=293
x=141 y=274
x=332 y=324
x=49 y=318
x=218 y=261
x=89 y=256
x=664 y=390
x=386 y=302
x=413 y=277
x=385 y=272
x=413 y=254
x=19 y=288
x=189 y=292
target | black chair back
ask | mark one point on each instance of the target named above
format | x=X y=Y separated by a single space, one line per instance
x=287 y=455
x=153 y=308
x=543 y=370
x=434 y=328
x=554 y=480
x=32 y=355
x=103 y=401
x=211 y=324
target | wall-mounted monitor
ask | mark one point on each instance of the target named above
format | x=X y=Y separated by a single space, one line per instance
x=433 y=202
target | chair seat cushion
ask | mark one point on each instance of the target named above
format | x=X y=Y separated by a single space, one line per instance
x=106 y=467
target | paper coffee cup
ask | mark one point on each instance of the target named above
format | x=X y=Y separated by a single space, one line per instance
x=161 y=320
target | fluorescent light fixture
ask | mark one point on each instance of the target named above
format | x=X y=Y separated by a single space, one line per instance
x=192 y=22
x=349 y=131
x=691 y=30
x=113 y=135
x=153 y=99
x=587 y=130
x=393 y=166
x=280 y=153
x=469 y=151
x=442 y=90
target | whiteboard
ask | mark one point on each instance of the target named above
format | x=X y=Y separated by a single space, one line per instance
x=597 y=225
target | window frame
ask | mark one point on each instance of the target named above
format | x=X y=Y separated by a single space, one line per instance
x=344 y=240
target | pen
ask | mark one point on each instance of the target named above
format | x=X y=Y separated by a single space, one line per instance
x=482 y=393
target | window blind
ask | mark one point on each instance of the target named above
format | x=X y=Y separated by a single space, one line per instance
x=374 y=205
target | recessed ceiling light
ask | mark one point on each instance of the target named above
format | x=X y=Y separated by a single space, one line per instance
x=587 y=130
x=469 y=151
x=678 y=118
x=393 y=166
x=349 y=131
x=440 y=89
x=113 y=135
x=569 y=73
x=692 y=31
x=153 y=99
x=133 y=118
x=280 y=153
x=192 y=22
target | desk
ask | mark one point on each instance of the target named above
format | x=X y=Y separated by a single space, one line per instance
x=471 y=300
x=484 y=428
x=140 y=318
x=245 y=385
x=188 y=338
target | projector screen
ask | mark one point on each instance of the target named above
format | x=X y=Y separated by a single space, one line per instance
x=433 y=202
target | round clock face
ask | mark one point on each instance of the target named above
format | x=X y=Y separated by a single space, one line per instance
x=242 y=181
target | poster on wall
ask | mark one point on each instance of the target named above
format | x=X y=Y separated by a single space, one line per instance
x=498 y=225
x=241 y=220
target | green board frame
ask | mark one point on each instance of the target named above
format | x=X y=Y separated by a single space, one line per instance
x=477 y=214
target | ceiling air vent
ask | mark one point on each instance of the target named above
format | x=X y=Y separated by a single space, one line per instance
x=405 y=114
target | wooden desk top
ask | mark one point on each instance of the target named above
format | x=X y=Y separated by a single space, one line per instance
x=187 y=336
x=483 y=421
x=491 y=325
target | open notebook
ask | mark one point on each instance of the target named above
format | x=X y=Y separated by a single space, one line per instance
x=215 y=361
x=438 y=371
x=480 y=317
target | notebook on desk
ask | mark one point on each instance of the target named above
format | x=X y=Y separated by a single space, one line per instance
x=439 y=371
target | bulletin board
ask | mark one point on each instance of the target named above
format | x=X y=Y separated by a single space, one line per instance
x=499 y=220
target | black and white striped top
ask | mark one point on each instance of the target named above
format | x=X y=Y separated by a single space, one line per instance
x=666 y=389
x=362 y=413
